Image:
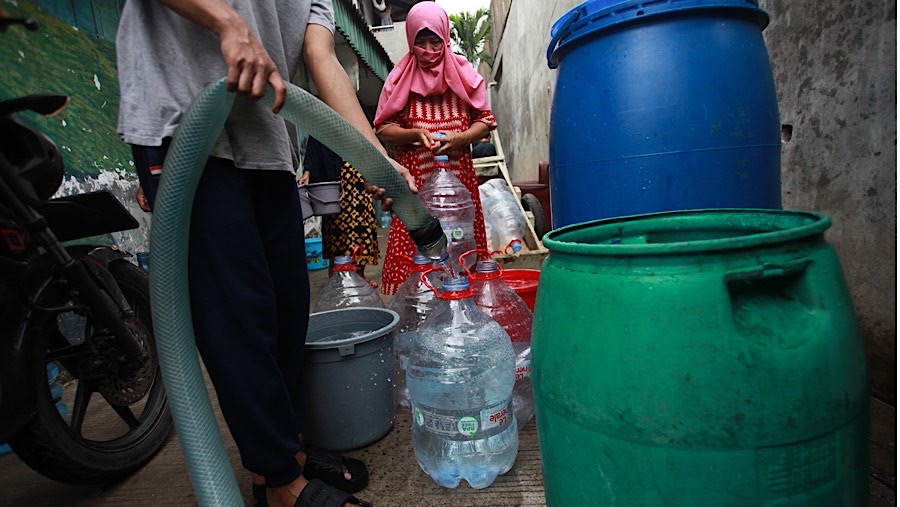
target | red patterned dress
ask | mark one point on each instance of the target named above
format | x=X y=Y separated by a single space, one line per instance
x=447 y=113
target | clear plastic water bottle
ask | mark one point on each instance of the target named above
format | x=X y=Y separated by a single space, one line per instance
x=346 y=289
x=451 y=203
x=501 y=211
x=460 y=378
x=414 y=302
x=501 y=302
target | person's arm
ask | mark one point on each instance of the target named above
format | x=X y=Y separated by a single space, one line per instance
x=249 y=66
x=336 y=90
x=397 y=135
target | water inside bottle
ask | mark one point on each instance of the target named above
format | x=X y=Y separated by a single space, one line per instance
x=447 y=267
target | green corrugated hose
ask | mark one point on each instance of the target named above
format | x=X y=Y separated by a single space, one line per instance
x=198 y=433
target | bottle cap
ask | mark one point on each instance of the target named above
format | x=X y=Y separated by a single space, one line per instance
x=456 y=288
x=456 y=284
x=442 y=158
x=343 y=263
x=420 y=259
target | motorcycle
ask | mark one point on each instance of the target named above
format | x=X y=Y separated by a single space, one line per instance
x=82 y=399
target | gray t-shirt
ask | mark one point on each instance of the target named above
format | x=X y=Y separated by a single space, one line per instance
x=165 y=61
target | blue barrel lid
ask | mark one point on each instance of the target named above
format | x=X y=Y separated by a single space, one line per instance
x=593 y=16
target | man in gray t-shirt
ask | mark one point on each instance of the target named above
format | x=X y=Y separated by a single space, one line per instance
x=246 y=271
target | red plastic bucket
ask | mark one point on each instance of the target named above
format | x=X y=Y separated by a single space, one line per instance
x=524 y=282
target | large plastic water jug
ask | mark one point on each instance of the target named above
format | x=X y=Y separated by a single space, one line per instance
x=504 y=305
x=460 y=378
x=451 y=203
x=346 y=289
x=413 y=302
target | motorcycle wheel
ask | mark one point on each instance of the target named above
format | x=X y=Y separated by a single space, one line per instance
x=102 y=425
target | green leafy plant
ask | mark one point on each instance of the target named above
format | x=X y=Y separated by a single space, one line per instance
x=468 y=32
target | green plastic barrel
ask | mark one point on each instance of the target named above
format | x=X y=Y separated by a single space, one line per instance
x=699 y=358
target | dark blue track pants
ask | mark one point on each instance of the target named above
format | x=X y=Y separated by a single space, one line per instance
x=250 y=303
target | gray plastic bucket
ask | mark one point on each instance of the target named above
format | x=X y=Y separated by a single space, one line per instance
x=325 y=197
x=347 y=380
x=306 y=209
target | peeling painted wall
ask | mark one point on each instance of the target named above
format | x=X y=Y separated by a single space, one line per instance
x=835 y=69
x=73 y=54
x=835 y=66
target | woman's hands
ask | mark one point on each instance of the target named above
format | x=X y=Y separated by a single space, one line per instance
x=422 y=136
x=450 y=141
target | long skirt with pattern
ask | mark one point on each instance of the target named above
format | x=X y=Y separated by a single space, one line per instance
x=355 y=225
x=400 y=245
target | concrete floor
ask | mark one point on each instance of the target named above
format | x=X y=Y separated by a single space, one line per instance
x=395 y=477
x=396 y=480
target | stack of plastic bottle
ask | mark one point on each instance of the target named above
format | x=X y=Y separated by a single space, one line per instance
x=346 y=289
x=503 y=218
x=460 y=378
x=414 y=302
x=451 y=203
x=501 y=302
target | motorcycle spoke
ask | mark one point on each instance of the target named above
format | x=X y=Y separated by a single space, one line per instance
x=80 y=406
x=127 y=415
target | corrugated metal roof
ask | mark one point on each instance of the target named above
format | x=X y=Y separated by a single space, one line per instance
x=350 y=23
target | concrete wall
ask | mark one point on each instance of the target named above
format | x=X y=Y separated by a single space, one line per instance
x=393 y=39
x=521 y=97
x=835 y=66
x=834 y=63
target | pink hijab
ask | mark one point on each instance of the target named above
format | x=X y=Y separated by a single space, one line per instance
x=429 y=73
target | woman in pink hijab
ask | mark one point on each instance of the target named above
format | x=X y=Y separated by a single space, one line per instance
x=431 y=90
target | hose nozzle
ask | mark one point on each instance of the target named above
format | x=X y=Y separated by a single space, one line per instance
x=430 y=240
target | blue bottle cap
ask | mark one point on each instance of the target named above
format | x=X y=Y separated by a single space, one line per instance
x=459 y=283
x=441 y=158
x=342 y=259
x=487 y=266
x=420 y=260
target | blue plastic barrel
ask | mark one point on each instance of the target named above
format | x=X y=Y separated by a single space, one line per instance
x=662 y=105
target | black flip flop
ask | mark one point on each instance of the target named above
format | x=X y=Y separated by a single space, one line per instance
x=319 y=494
x=326 y=466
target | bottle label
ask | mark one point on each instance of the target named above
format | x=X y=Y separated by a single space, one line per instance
x=460 y=426
x=456 y=231
x=523 y=369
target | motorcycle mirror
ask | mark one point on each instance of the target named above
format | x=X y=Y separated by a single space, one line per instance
x=45 y=104
x=29 y=23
